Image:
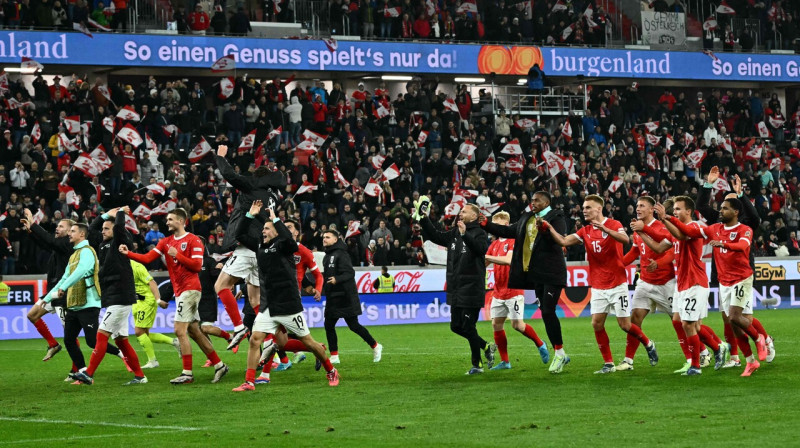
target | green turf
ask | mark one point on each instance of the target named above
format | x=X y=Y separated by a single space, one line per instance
x=418 y=395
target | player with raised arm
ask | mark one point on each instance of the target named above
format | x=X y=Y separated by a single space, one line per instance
x=731 y=242
x=656 y=285
x=603 y=238
x=183 y=253
x=144 y=314
x=242 y=265
x=508 y=303
x=280 y=304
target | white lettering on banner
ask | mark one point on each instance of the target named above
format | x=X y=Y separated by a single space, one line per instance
x=663 y=28
x=597 y=66
x=9 y=47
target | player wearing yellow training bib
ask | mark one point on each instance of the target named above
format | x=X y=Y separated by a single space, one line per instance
x=144 y=313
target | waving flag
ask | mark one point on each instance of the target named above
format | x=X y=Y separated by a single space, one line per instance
x=73 y=124
x=65 y=144
x=567 y=31
x=390 y=173
x=275 y=132
x=721 y=185
x=490 y=165
x=247 y=142
x=754 y=153
x=651 y=161
x=695 y=158
x=77 y=26
x=4 y=82
x=306 y=147
x=353 y=229
x=95 y=24
x=38 y=216
x=223 y=64
x=468 y=149
x=130 y=224
x=142 y=211
x=453 y=209
x=36 y=132
x=422 y=138
x=317 y=139
x=450 y=104
x=128 y=113
x=200 y=150
x=28 y=63
x=724 y=8
x=306 y=187
x=651 y=126
x=559 y=6
x=615 y=184
x=776 y=164
x=763 y=130
x=157 y=188
x=72 y=197
x=512 y=147
x=108 y=124
x=381 y=112
x=377 y=161
x=392 y=12
x=100 y=157
x=554 y=163
x=339 y=177
x=525 y=123
x=87 y=166
x=331 y=44
x=468 y=6
x=165 y=207
x=776 y=122
x=169 y=130
x=515 y=165
x=710 y=23
x=489 y=209
x=129 y=134
x=226 y=86
x=653 y=139
x=373 y=188
x=149 y=144
x=566 y=131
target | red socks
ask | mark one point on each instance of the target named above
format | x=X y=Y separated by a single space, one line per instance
x=41 y=327
x=558 y=347
x=133 y=360
x=294 y=346
x=678 y=326
x=751 y=331
x=327 y=364
x=502 y=344
x=730 y=338
x=98 y=353
x=187 y=362
x=213 y=358
x=759 y=328
x=231 y=307
x=602 y=343
x=334 y=353
x=224 y=335
x=637 y=331
x=250 y=376
x=631 y=345
x=530 y=334
x=709 y=338
x=282 y=355
x=744 y=345
x=695 y=348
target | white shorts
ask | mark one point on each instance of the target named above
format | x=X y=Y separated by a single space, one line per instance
x=740 y=294
x=615 y=300
x=692 y=303
x=513 y=308
x=57 y=310
x=243 y=264
x=654 y=297
x=187 y=304
x=294 y=324
x=115 y=321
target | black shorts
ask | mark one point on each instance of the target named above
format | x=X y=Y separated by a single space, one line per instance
x=208 y=309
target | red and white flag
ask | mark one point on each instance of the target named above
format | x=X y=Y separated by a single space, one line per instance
x=373 y=188
x=710 y=23
x=453 y=209
x=776 y=122
x=653 y=139
x=763 y=130
x=36 y=132
x=464 y=192
x=566 y=131
x=381 y=112
x=157 y=188
x=754 y=153
x=65 y=144
x=130 y=224
x=566 y=32
x=200 y=150
x=695 y=158
x=390 y=173
x=129 y=134
x=128 y=113
x=710 y=54
x=94 y=24
x=220 y=257
x=248 y=142
x=559 y=6
x=490 y=165
x=353 y=229
x=108 y=124
x=150 y=144
x=73 y=124
x=721 y=185
x=513 y=148
x=87 y=166
x=28 y=63
x=275 y=132
x=422 y=138
x=525 y=123
x=615 y=184
x=13 y=104
x=688 y=138
x=317 y=139
x=468 y=149
x=450 y=104
x=669 y=142
x=78 y=26
x=306 y=147
x=331 y=44
x=515 y=165
x=431 y=8
x=724 y=8
x=142 y=211
x=377 y=161
x=569 y=168
x=224 y=64
x=72 y=197
x=4 y=82
x=553 y=162
x=306 y=187
x=165 y=207
x=339 y=177
x=392 y=12
x=776 y=164
x=651 y=161
x=104 y=91
x=651 y=126
x=226 y=86
x=169 y=130
x=38 y=216
x=100 y=157
x=488 y=210
x=467 y=6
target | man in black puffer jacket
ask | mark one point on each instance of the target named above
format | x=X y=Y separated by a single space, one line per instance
x=538 y=264
x=466 y=276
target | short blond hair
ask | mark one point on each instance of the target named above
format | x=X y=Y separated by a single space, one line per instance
x=501 y=216
x=596 y=198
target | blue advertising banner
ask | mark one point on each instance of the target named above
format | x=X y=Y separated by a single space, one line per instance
x=387 y=57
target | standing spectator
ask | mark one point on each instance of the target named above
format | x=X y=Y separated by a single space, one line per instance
x=199 y=20
x=239 y=23
x=219 y=23
x=234 y=123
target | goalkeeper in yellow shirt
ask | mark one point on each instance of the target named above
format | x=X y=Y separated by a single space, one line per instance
x=144 y=314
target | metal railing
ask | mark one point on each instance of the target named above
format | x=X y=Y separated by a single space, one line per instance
x=552 y=101
x=749 y=26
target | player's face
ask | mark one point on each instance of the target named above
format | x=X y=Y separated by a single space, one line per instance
x=292 y=229
x=726 y=213
x=269 y=232
x=467 y=215
x=75 y=235
x=591 y=210
x=173 y=223
x=328 y=239
x=538 y=203
x=62 y=229
x=644 y=210
x=108 y=230
x=680 y=211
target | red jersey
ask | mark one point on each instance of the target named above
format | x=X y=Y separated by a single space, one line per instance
x=658 y=231
x=304 y=260
x=733 y=266
x=604 y=255
x=689 y=259
x=500 y=248
x=189 y=246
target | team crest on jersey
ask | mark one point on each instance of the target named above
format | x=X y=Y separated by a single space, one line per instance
x=603 y=234
x=505 y=248
x=733 y=235
x=297 y=259
x=183 y=246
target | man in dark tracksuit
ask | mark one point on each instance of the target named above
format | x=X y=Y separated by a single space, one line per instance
x=750 y=218
x=538 y=264
x=466 y=277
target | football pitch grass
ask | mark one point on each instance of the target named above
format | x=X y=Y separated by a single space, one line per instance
x=417 y=395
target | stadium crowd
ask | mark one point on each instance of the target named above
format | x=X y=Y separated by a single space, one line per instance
x=366 y=154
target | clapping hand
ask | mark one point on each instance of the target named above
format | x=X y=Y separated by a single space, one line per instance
x=637 y=225
x=222 y=150
x=713 y=175
x=462 y=228
x=661 y=212
x=255 y=208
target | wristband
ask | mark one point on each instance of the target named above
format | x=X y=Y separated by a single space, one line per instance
x=275 y=220
x=707 y=185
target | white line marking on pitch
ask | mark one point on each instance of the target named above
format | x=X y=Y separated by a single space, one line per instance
x=67 y=439
x=86 y=423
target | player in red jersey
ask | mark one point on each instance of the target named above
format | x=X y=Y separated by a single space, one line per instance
x=731 y=241
x=183 y=253
x=691 y=293
x=656 y=285
x=508 y=303
x=603 y=238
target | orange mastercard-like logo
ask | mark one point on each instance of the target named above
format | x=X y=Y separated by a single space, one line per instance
x=508 y=61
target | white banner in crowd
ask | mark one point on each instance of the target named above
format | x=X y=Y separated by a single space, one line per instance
x=663 y=28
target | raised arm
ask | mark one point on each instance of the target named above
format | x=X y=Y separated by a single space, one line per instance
x=242 y=232
x=704 y=197
x=287 y=245
x=242 y=183
x=436 y=236
x=121 y=234
x=658 y=247
x=502 y=231
x=618 y=235
x=563 y=241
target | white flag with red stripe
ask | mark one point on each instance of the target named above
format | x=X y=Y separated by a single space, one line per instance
x=129 y=134
x=73 y=124
x=339 y=177
x=306 y=147
x=65 y=144
x=200 y=150
x=450 y=104
x=392 y=12
x=353 y=229
x=763 y=130
x=38 y=216
x=776 y=164
x=223 y=64
x=754 y=153
x=553 y=162
x=373 y=188
x=226 y=86
x=559 y=6
x=467 y=6
x=710 y=23
x=275 y=132
x=306 y=187
x=36 y=132
x=453 y=209
x=651 y=126
x=331 y=44
x=142 y=211
x=87 y=166
x=150 y=144
x=724 y=8
x=515 y=165
x=721 y=185
x=101 y=158
x=247 y=142
x=653 y=139
x=695 y=158
x=392 y=172
x=95 y=24
x=688 y=138
x=108 y=124
x=776 y=122
x=615 y=184
x=169 y=130
x=128 y=113
x=489 y=209
x=490 y=165
x=513 y=148
x=4 y=82
x=165 y=207
x=377 y=161
x=130 y=224
x=72 y=197
x=317 y=139
x=566 y=131
x=80 y=27
x=468 y=149
x=422 y=138
x=157 y=188
x=381 y=112
x=28 y=63
x=525 y=123
x=651 y=161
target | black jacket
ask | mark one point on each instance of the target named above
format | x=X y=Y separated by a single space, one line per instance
x=277 y=273
x=547 y=264
x=208 y=276
x=342 y=298
x=61 y=250
x=266 y=188
x=466 y=269
x=749 y=217
x=116 y=274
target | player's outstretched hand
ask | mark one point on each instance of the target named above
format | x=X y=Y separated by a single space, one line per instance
x=736 y=184
x=255 y=208
x=271 y=214
x=123 y=249
x=222 y=150
x=713 y=175
x=317 y=295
